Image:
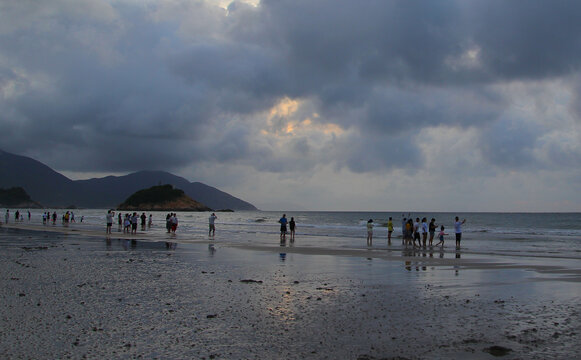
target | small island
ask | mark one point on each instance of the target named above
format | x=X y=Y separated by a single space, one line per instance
x=18 y=198
x=162 y=198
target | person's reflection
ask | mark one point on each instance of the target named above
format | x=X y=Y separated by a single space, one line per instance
x=282 y=257
x=456 y=267
x=211 y=249
x=108 y=243
x=171 y=245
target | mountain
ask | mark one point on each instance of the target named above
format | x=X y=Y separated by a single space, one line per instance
x=17 y=197
x=40 y=182
x=56 y=190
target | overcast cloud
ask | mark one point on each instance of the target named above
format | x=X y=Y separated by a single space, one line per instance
x=461 y=105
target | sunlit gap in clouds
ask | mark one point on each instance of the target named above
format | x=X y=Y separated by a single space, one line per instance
x=286 y=119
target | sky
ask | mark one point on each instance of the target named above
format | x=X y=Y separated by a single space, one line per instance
x=374 y=105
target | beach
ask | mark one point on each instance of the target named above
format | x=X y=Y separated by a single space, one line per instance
x=73 y=292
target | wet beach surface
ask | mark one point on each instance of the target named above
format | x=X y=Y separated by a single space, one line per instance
x=69 y=295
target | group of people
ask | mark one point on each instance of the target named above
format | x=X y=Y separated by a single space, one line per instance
x=283 y=230
x=67 y=217
x=18 y=216
x=130 y=221
x=418 y=231
x=171 y=222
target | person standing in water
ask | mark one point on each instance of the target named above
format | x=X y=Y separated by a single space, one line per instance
x=432 y=230
x=292 y=226
x=389 y=230
x=369 y=232
x=458 y=230
x=110 y=215
x=211 y=221
x=283 y=221
x=424 y=231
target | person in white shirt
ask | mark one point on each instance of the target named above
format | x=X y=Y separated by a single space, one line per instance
x=211 y=220
x=424 y=231
x=458 y=230
x=110 y=215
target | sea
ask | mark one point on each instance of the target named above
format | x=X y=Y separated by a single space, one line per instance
x=542 y=235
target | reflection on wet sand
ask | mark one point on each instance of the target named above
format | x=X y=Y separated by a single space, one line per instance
x=417 y=252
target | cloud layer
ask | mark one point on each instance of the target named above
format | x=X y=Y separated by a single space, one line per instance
x=329 y=104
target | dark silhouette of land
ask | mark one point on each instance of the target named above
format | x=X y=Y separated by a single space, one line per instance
x=53 y=189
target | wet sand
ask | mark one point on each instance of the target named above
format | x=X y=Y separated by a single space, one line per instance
x=77 y=294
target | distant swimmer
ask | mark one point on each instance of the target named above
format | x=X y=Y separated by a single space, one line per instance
x=212 y=226
x=458 y=230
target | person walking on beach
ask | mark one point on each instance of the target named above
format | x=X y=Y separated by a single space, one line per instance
x=458 y=230
x=150 y=222
x=369 y=232
x=389 y=230
x=109 y=217
x=7 y=217
x=292 y=226
x=283 y=221
x=212 y=226
x=432 y=230
x=441 y=236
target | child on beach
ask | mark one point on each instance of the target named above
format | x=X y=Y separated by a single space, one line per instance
x=441 y=236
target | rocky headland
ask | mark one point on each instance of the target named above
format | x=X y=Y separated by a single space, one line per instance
x=162 y=198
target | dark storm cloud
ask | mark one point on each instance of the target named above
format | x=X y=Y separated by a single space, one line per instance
x=126 y=87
